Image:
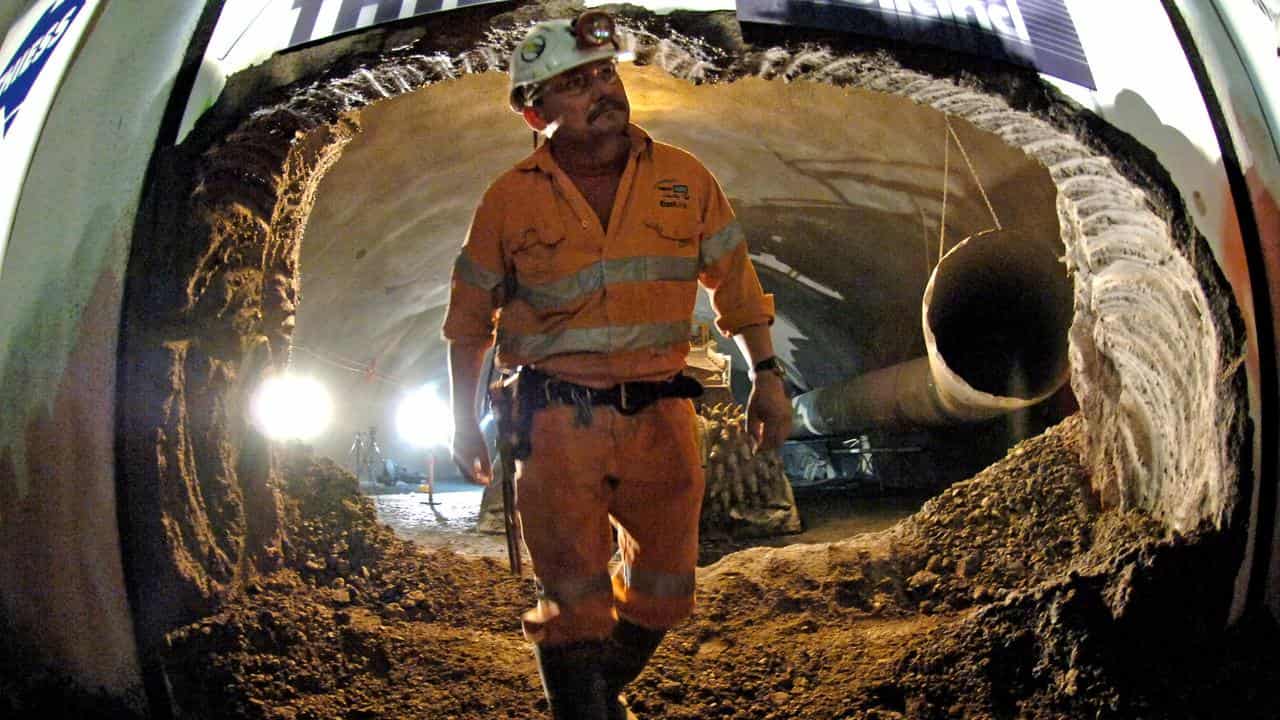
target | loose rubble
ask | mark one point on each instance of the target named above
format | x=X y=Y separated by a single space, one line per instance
x=747 y=495
x=1005 y=596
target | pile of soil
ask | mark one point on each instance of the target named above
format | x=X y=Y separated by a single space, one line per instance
x=1005 y=596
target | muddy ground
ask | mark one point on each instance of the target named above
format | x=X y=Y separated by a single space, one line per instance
x=1008 y=595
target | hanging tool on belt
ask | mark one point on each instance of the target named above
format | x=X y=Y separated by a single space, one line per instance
x=502 y=398
x=515 y=398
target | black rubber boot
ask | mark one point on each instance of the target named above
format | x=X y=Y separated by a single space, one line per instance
x=630 y=648
x=573 y=680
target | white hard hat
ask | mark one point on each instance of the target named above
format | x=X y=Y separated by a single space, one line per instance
x=554 y=46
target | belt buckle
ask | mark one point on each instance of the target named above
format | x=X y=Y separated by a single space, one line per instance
x=622 y=397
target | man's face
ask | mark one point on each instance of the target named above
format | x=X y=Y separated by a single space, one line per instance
x=588 y=101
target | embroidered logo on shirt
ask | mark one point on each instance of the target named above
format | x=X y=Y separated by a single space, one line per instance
x=672 y=193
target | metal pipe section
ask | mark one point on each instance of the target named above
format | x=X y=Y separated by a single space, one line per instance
x=995 y=316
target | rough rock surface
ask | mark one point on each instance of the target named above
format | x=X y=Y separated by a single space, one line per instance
x=1008 y=595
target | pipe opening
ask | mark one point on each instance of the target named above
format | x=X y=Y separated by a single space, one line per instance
x=999 y=307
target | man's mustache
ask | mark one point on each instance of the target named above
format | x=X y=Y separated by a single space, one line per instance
x=602 y=106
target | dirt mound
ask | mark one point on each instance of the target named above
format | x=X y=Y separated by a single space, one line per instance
x=357 y=624
x=1008 y=595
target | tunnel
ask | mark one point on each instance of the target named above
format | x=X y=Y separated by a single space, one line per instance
x=310 y=220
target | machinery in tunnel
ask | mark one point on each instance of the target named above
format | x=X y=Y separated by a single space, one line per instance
x=153 y=272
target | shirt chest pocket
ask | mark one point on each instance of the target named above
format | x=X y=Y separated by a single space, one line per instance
x=675 y=234
x=537 y=252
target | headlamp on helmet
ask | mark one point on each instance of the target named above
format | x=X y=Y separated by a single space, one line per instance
x=555 y=46
x=595 y=28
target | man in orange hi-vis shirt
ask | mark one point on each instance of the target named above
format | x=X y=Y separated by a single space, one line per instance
x=582 y=263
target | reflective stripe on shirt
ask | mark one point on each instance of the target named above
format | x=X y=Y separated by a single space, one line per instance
x=597 y=339
x=472 y=274
x=720 y=244
x=593 y=278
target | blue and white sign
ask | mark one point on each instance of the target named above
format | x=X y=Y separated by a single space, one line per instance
x=35 y=55
x=21 y=70
x=1034 y=33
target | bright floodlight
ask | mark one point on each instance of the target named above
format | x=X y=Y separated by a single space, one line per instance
x=289 y=407
x=423 y=419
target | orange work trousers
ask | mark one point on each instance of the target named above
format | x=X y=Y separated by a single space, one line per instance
x=639 y=476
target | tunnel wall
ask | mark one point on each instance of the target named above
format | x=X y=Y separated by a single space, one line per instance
x=1146 y=342
x=218 y=310
x=1221 y=156
x=1143 y=325
x=62 y=596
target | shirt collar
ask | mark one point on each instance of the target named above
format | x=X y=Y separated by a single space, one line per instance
x=541 y=159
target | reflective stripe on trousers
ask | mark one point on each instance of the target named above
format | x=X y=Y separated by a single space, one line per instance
x=640 y=474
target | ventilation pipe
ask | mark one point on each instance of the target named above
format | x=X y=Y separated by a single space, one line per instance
x=995 y=313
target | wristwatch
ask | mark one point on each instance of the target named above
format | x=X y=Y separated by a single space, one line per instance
x=769 y=364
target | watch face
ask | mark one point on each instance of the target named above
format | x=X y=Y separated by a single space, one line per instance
x=768 y=364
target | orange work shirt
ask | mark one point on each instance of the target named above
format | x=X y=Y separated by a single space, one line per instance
x=595 y=307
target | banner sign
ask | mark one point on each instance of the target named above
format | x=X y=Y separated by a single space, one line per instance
x=35 y=55
x=1033 y=33
x=318 y=19
x=24 y=66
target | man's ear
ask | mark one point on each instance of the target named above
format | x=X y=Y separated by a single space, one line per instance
x=533 y=119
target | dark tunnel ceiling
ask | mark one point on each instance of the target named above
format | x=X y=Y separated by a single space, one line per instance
x=840 y=191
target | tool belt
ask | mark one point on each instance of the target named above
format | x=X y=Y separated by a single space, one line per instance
x=532 y=390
